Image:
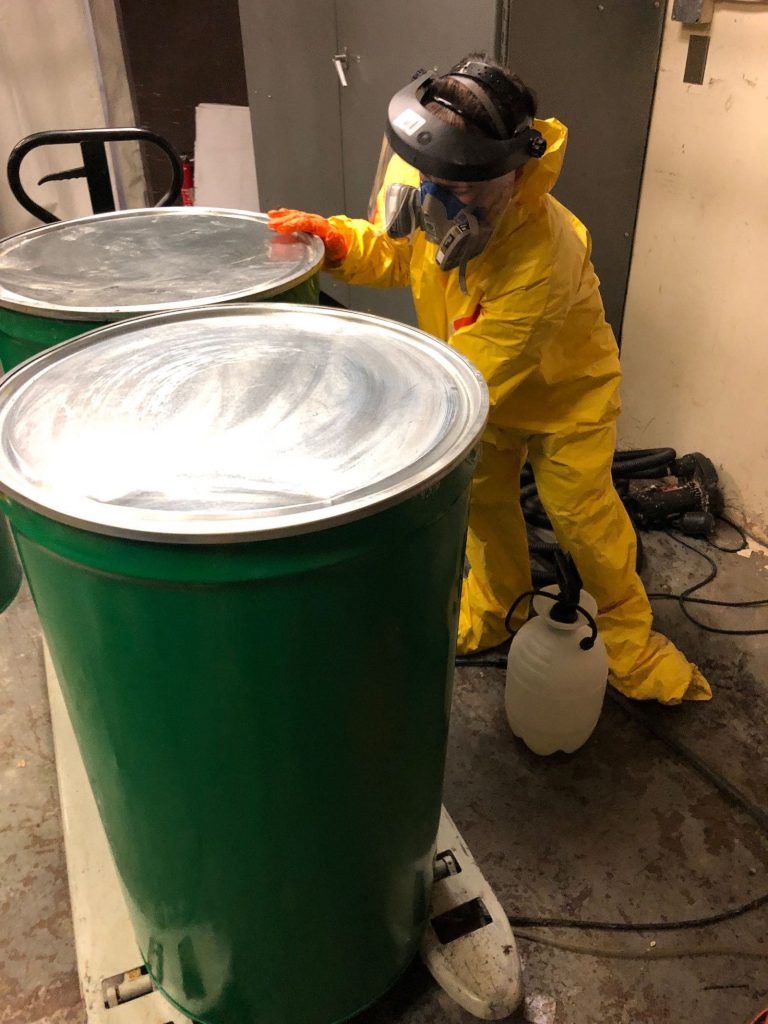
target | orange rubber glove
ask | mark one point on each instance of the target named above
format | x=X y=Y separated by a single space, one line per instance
x=335 y=240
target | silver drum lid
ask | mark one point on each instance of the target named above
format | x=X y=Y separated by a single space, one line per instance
x=117 y=265
x=235 y=423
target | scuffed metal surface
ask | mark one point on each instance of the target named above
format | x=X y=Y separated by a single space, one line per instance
x=133 y=262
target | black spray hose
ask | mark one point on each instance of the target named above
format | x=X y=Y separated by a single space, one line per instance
x=644 y=463
x=539 y=546
x=586 y=644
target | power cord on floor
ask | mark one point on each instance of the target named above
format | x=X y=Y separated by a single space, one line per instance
x=731 y=794
x=518 y=921
x=685 y=597
x=651 y=953
x=743 y=543
x=497 y=659
x=726 y=788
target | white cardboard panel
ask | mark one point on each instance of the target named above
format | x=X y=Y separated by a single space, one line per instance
x=225 y=167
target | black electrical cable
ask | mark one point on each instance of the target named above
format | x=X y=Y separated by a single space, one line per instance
x=702 y=768
x=631 y=926
x=738 y=529
x=722 y=784
x=706 y=771
x=684 y=598
x=726 y=788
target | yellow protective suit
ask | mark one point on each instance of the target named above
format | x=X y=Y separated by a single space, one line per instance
x=533 y=323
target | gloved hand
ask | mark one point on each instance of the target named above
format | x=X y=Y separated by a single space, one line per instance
x=334 y=238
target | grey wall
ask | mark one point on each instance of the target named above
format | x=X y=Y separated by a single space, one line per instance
x=593 y=65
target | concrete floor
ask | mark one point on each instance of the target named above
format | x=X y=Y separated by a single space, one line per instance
x=623 y=830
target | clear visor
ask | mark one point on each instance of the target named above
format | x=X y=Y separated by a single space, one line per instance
x=491 y=196
x=381 y=181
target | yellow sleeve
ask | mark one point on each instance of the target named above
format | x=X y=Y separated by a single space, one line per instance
x=374 y=259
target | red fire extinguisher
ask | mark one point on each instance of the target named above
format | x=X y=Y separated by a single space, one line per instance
x=187 y=181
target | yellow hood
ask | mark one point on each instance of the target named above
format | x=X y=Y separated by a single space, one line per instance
x=540 y=176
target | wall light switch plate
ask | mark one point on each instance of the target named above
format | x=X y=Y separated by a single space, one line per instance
x=693 y=12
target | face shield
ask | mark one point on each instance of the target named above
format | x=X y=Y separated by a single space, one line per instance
x=385 y=174
x=442 y=150
x=464 y=179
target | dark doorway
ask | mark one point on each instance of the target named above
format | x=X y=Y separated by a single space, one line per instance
x=180 y=53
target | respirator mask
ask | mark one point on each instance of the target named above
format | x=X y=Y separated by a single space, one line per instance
x=460 y=232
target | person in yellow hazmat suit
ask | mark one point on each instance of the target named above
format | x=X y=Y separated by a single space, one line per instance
x=501 y=271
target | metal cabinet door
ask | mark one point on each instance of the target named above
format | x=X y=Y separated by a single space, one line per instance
x=317 y=142
x=594 y=66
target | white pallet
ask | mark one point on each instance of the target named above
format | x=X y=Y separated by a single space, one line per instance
x=481 y=969
x=104 y=939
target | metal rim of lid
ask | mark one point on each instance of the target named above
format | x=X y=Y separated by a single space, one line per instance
x=254 y=528
x=99 y=314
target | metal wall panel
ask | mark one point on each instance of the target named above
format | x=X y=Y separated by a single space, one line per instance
x=294 y=102
x=594 y=66
x=387 y=43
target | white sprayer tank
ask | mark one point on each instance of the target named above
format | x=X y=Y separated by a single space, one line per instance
x=555 y=688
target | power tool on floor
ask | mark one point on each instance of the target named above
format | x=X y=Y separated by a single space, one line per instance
x=659 y=490
x=689 y=498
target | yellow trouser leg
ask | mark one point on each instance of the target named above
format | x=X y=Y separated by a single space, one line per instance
x=574 y=482
x=497 y=549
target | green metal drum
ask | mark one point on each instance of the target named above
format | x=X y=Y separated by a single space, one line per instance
x=58 y=281
x=63 y=279
x=243 y=529
x=10 y=569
